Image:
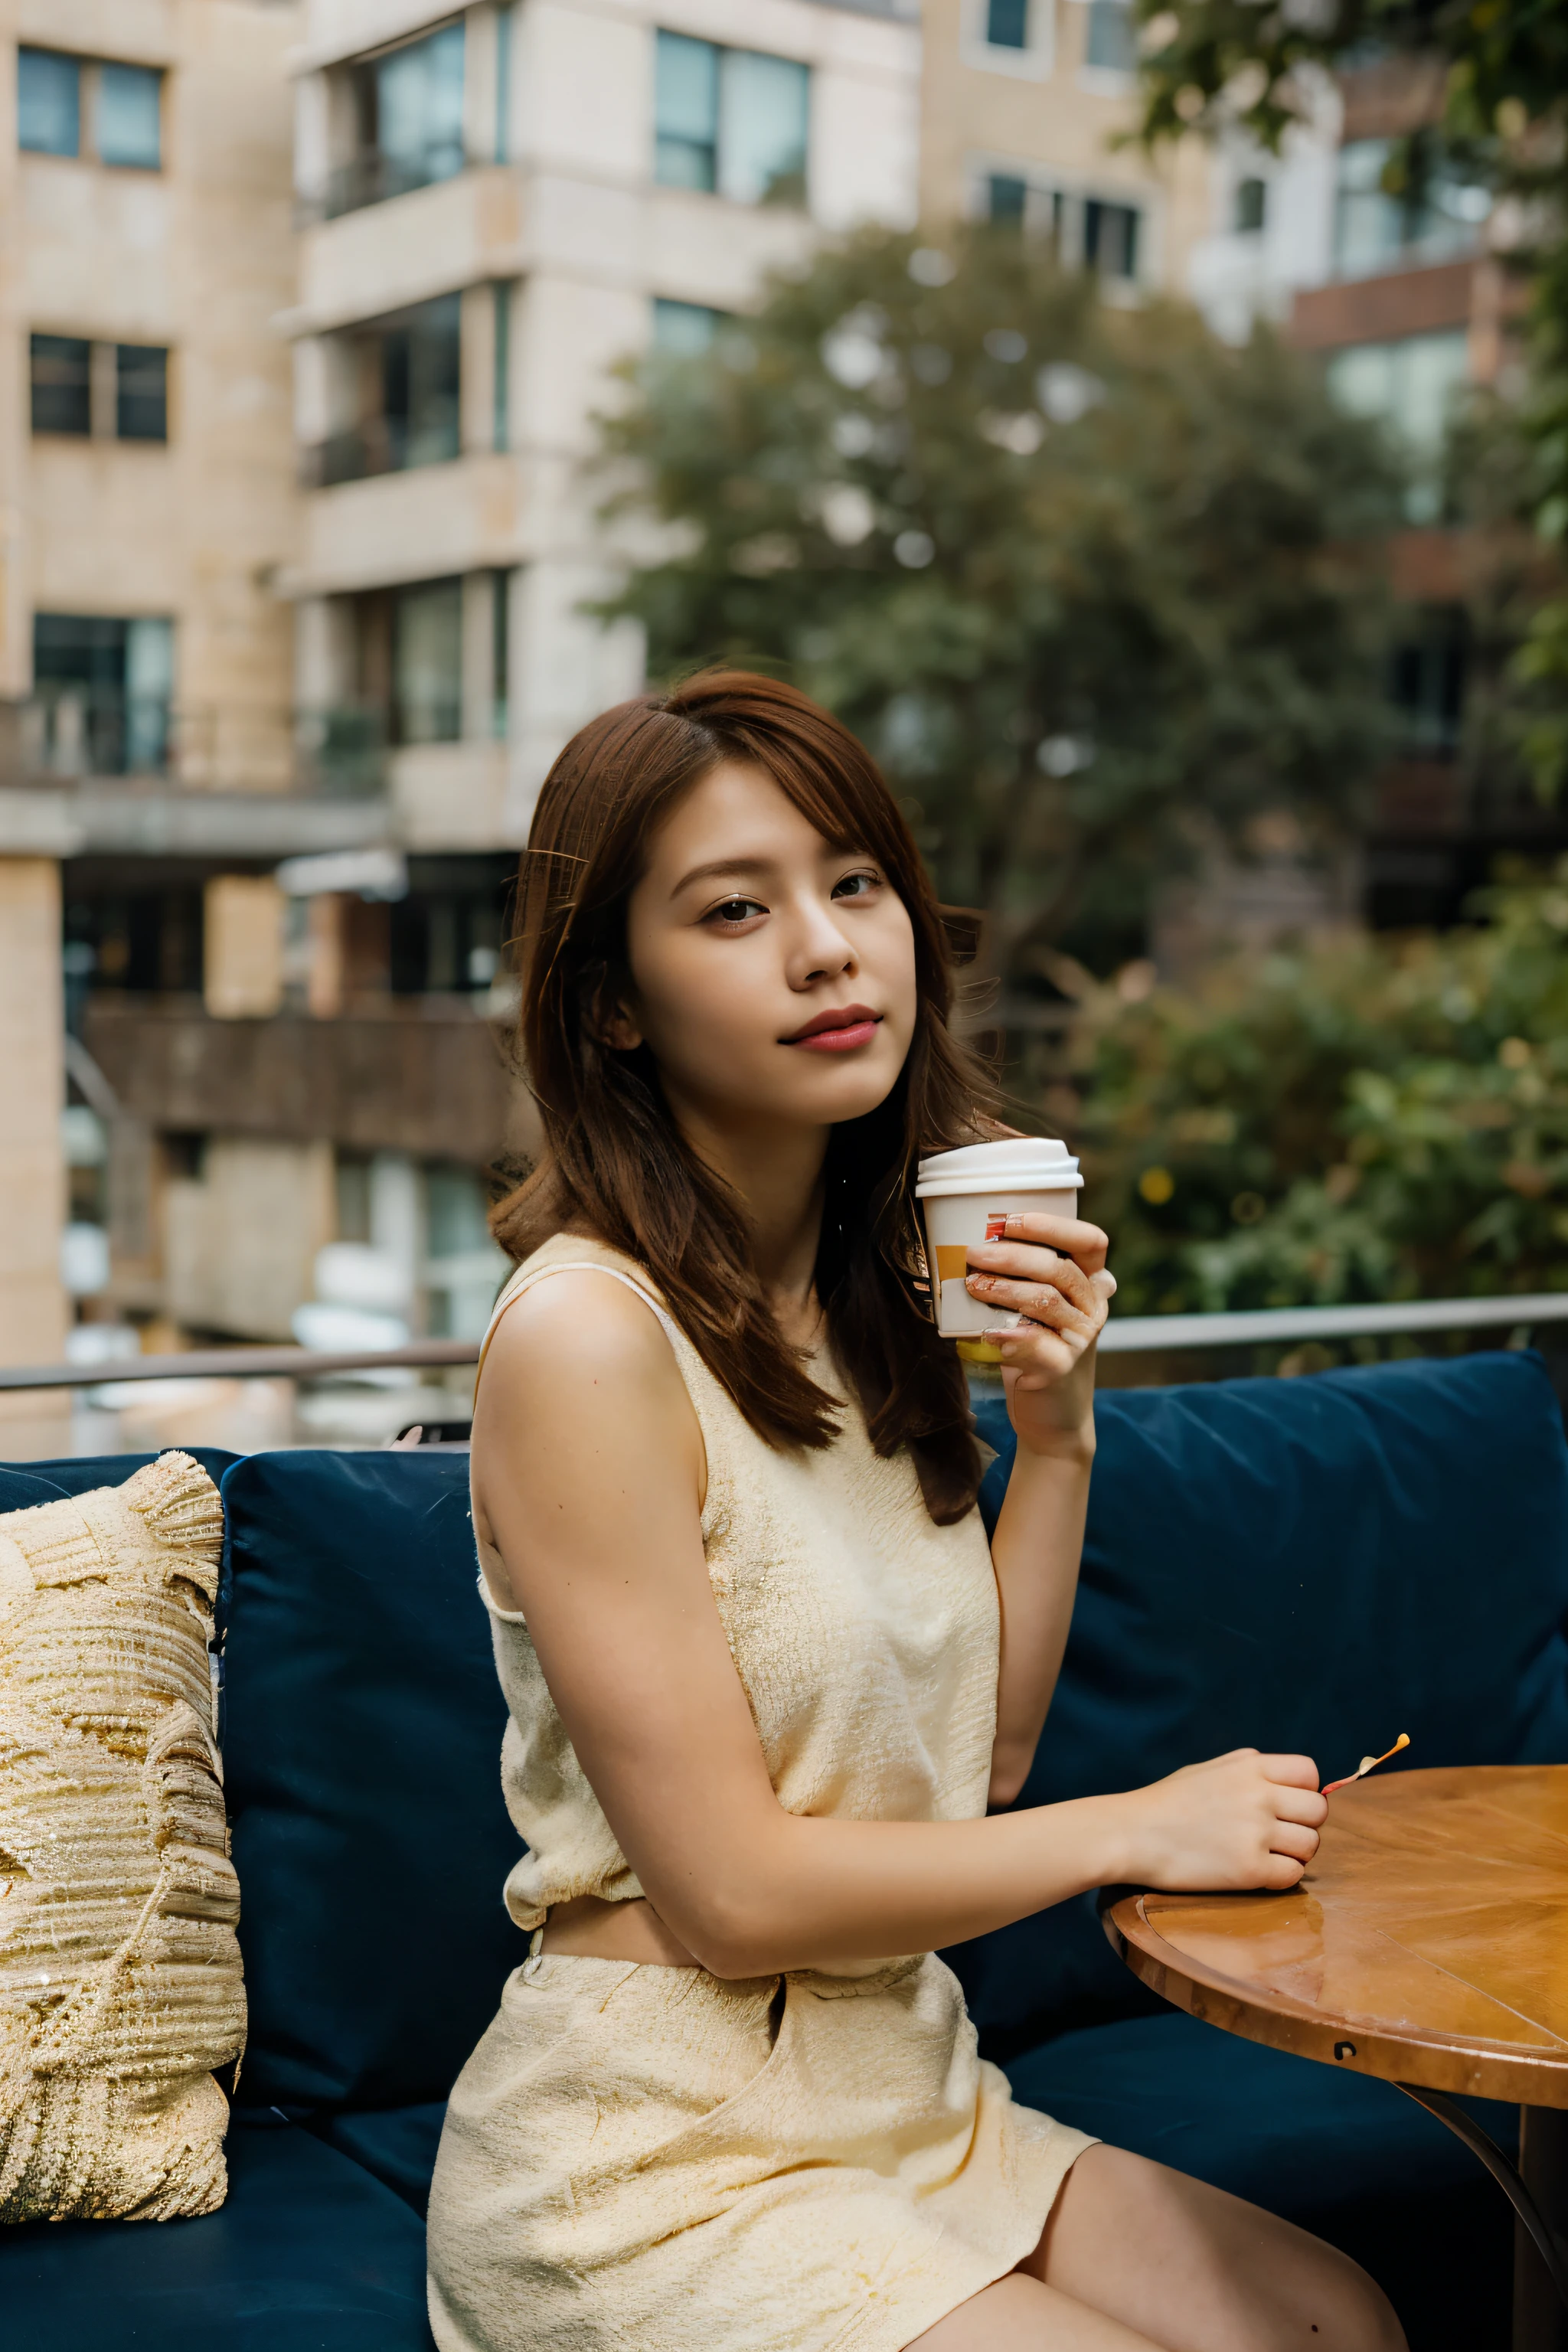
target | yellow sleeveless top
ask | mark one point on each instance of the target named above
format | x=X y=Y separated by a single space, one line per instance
x=865 y=1636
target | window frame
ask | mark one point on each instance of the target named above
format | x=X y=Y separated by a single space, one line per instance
x=1035 y=62
x=89 y=69
x=717 y=149
x=104 y=392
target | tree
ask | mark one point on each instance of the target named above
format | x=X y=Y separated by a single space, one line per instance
x=1366 y=1119
x=1499 y=72
x=1085 y=578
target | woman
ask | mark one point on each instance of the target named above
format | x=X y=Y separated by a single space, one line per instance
x=764 y=1678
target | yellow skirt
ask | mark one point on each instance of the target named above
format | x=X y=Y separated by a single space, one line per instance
x=654 y=2161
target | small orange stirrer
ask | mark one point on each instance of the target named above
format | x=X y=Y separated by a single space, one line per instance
x=1367 y=1764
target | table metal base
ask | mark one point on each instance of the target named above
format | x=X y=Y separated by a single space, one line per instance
x=1538 y=2191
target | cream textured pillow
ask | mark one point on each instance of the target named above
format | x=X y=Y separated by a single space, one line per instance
x=119 y=1975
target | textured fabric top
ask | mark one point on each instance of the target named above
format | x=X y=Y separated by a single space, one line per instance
x=119 y=1974
x=866 y=1637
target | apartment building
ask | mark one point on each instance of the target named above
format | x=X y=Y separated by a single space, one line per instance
x=503 y=203
x=146 y=499
x=310 y=308
x=1024 y=101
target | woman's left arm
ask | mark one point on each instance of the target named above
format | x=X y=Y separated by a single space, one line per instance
x=1052 y=1270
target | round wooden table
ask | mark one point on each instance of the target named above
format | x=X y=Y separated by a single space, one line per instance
x=1427 y=1944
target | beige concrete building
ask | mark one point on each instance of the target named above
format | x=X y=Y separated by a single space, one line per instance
x=1022 y=101
x=503 y=202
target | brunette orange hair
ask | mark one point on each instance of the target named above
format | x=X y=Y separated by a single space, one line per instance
x=614 y=1162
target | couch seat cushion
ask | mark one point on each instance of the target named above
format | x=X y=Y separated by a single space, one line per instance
x=1310 y=1564
x=308 y=2254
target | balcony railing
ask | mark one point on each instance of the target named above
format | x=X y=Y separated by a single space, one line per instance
x=91 y=729
x=340 y=750
x=372 y=176
x=383 y=444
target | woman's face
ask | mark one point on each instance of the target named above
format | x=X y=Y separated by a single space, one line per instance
x=772 y=976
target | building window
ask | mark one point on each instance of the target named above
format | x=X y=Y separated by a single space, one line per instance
x=1112 y=43
x=57 y=94
x=1110 y=239
x=141 y=391
x=1007 y=24
x=1007 y=199
x=408 y=105
x=428 y=663
x=731 y=122
x=397 y=381
x=500 y=652
x=49 y=102
x=101 y=695
x=128 y=117
x=61 y=384
x=501 y=368
x=1375 y=230
x=1251 y=208
x=505 y=16
x=1410 y=387
x=115 y=390
x=1427 y=680
x=684 y=330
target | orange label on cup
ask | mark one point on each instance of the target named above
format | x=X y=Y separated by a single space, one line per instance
x=952 y=1261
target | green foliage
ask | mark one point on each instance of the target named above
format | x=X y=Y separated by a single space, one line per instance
x=1499 y=86
x=1083 y=578
x=1363 y=1120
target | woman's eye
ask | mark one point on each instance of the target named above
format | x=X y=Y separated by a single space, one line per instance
x=857 y=886
x=735 y=910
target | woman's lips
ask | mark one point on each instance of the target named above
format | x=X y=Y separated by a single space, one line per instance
x=838 y=1032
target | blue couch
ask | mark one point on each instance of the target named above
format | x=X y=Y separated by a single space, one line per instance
x=1315 y=1563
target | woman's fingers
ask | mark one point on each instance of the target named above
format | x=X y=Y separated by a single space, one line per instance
x=1302 y=1844
x=1302 y=1805
x=1290 y=1771
x=1084 y=1243
x=1012 y=1262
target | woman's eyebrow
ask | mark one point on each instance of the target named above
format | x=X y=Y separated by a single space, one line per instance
x=718 y=866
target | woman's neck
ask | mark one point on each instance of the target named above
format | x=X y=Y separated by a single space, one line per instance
x=778 y=1174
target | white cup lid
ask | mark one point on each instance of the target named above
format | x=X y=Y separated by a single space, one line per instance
x=1032 y=1158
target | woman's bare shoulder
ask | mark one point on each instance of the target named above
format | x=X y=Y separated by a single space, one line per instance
x=581 y=1324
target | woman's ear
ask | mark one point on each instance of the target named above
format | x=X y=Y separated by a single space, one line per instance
x=619 y=1031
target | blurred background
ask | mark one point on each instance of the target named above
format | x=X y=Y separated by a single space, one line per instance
x=1154 y=449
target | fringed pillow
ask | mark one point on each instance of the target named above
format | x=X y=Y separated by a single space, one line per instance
x=119 y=1974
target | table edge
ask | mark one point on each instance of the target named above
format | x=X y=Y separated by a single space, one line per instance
x=1432 y=2062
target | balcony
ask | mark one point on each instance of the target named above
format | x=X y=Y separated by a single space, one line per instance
x=424 y=1074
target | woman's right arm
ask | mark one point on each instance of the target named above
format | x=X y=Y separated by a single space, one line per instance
x=589 y=1475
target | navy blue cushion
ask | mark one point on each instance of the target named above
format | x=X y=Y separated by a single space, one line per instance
x=362 y=1757
x=1313 y=1564
x=308 y=2254
x=397 y=2145
x=24 y=1483
x=1350 y=2159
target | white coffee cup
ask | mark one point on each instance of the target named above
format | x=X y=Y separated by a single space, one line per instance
x=966 y=1195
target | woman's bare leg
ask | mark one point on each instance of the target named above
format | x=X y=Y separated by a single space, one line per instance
x=1020 y=2314
x=1136 y=2258
x=1195 y=2270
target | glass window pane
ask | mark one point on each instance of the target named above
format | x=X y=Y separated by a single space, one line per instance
x=1110 y=238
x=419 y=110
x=1251 y=207
x=62 y=383
x=685 y=111
x=1006 y=197
x=762 y=108
x=49 y=102
x=141 y=391
x=428 y=663
x=500 y=369
x=127 y=127
x=148 y=690
x=1111 y=45
x=1007 y=24
x=419 y=383
x=684 y=329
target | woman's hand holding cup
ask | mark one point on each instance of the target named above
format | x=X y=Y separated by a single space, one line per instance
x=1050 y=1270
